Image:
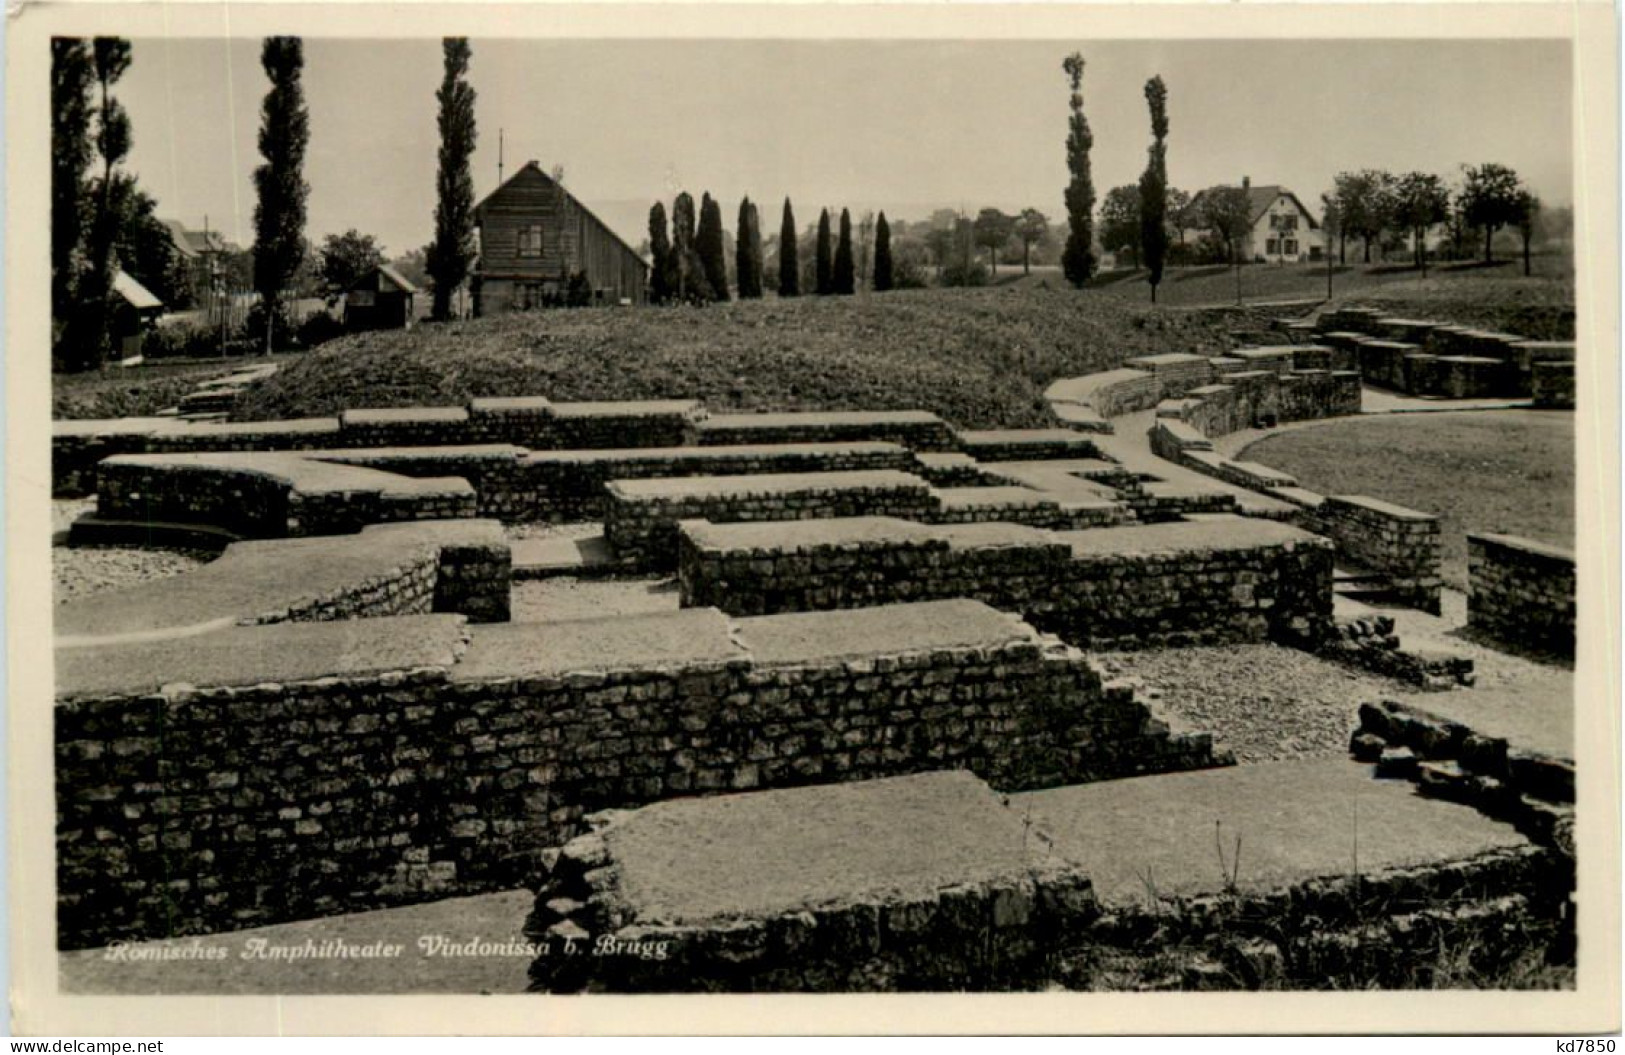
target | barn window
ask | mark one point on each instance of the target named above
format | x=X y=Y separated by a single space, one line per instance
x=530 y=240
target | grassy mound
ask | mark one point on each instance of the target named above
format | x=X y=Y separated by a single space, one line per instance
x=979 y=358
x=1503 y=471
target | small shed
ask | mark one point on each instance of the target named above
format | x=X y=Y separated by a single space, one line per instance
x=381 y=299
x=133 y=314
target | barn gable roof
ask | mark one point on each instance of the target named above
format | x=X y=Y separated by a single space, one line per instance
x=531 y=172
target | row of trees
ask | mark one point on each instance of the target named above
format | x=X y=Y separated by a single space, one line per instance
x=689 y=265
x=1371 y=204
x=101 y=222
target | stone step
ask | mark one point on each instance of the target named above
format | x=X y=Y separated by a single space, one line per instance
x=547 y=558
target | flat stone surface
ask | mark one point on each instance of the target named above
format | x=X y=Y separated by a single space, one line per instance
x=450 y=926
x=992 y=497
x=510 y=405
x=792 y=535
x=625 y=409
x=402 y=415
x=806 y=637
x=91 y=427
x=1167 y=359
x=765 y=484
x=495 y=452
x=1540 y=722
x=299 y=472
x=252 y=579
x=773 y=852
x=1526 y=545
x=720 y=452
x=1018 y=437
x=690 y=637
x=252 y=655
x=533 y=556
x=1080 y=389
x=1220 y=532
x=294 y=427
x=993 y=535
x=1298 y=820
x=819 y=418
x=1377 y=505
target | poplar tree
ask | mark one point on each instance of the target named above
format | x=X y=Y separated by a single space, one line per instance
x=845 y=277
x=824 y=273
x=748 y=251
x=789 y=265
x=279 y=214
x=452 y=251
x=661 y=256
x=72 y=75
x=1078 y=259
x=710 y=246
x=1154 y=187
x=883 y=265
x=89 y=338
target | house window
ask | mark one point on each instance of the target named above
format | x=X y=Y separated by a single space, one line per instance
x=530 y=240
x=1289 y=247
x=1272 y=247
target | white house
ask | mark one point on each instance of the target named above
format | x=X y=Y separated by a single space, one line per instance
x=1280 y=229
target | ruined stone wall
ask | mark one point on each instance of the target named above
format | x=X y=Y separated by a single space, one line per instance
x=246 y=502
x=640 y=519
x=1401 y=544
x=916 y=430
x=1521 y=591
x=1552 y=385
x=569 y=485
x=1200 y=593
x=190 y=809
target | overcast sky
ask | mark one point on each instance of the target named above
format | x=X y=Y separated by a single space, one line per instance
x=903 y=126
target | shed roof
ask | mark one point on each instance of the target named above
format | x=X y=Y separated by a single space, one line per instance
x=135 y=294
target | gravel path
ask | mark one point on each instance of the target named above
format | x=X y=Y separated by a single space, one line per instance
x=562 y=599
x=1264 y=702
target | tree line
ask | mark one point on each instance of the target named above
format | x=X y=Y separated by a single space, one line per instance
x=102 y=222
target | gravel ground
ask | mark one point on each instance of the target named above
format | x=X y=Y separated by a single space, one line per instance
x=84 y=570
x=561 y=599
x=1264 y=702
x=561 y=531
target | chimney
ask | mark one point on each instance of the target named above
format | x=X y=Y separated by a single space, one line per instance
x=1246 y=183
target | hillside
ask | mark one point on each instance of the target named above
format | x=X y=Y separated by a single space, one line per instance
x=979 y=358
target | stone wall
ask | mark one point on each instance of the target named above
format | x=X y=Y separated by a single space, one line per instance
x=1401 y=544
x=1214 y=582
x=915 y=429
x=1424 y=357
x=314 y=772
x=1552 y=385
x=1521 y=591
x=569 y=485
x=641 y=517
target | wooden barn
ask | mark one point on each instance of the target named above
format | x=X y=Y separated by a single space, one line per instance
x=535 y=237
x=381 y=299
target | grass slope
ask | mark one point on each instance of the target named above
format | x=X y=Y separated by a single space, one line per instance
x=979 y=358
x=1502 y=471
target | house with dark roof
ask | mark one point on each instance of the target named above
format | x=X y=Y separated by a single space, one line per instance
x=1281 y=227
x=198 y=252
x=536 y=237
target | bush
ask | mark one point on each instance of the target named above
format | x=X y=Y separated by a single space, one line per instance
x=908 y=274
x=960 y=274
x=319 y=328
x=578 y=294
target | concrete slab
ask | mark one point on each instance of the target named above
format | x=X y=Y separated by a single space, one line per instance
x=663 y=640
x=960 y=498
x=1297 y=820
x=254 y=655
x=1217 y=532
x=807 y=637
x=774 y=852
x=540 y=558
x=790 y=535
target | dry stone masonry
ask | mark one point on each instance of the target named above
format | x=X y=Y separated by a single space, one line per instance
x=1522 y=592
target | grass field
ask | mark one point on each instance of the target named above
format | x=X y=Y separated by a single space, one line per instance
x=1497 y=297
x=1503 y=471
x=979 y=358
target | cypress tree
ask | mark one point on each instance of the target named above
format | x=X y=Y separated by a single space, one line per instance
x=789 y=265
x=72 y=75
x=824 y=276
x=1154 y=186
x=690 y=284
x=711 y=249
x=1078 y=259
x=749 y=251
x=845 y=273
x=89 y=330
x=279 y=213
x=452 y=251
x=883 y=266
x=660 y=252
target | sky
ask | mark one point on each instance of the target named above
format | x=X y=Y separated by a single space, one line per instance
x=904 y=126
